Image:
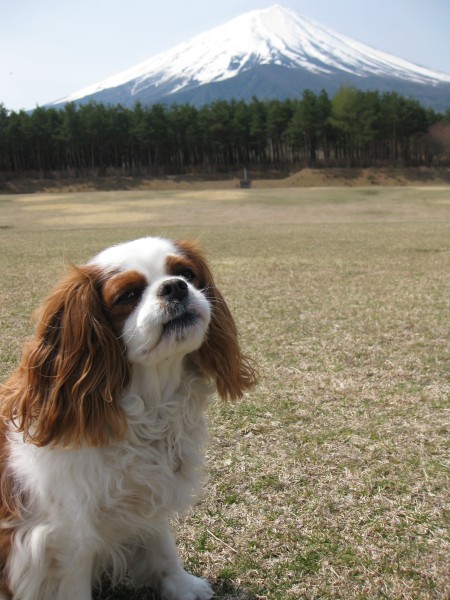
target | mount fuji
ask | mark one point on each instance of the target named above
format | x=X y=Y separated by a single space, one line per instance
x=270 y=53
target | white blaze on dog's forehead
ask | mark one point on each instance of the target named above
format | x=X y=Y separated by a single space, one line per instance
x=147 y=255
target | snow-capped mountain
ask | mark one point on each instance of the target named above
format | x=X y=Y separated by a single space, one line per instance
x=268 y=53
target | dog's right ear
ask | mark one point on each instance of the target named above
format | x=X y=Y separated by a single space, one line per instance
x=65 y=390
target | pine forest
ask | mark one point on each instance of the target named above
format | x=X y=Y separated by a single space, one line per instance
x=352 y=129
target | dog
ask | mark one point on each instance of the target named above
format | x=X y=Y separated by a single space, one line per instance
x=103 y=427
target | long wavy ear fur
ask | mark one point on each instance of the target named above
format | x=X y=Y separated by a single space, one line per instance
x=64 y=392
x=220 y=355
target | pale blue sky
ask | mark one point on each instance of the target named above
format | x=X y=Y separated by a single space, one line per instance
x=51 y=48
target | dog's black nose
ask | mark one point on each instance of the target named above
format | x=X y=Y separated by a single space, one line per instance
x=173 y=289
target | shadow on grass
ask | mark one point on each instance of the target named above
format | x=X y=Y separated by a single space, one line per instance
x=226 y=590
x=223 y=590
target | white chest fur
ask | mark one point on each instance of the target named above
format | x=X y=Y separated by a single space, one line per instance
x=119 y=490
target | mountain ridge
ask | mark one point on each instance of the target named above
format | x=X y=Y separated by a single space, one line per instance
x=299 y=52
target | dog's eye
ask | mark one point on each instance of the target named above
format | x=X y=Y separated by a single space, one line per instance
x=187 y=274
x=129 y=296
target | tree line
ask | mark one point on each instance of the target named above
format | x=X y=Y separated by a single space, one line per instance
x=354 y=128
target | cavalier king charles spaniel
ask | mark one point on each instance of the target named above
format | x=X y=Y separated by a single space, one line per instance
x=103 y=428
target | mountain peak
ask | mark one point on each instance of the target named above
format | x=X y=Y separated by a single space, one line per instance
x=275 y=36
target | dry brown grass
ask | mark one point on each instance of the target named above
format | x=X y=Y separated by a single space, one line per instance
x=330 y=480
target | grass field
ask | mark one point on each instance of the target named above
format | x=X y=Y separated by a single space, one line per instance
x=330 y=480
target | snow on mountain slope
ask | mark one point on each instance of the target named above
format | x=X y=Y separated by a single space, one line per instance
x=276 y=35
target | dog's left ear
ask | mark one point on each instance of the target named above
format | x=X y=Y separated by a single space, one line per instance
x=219 y=356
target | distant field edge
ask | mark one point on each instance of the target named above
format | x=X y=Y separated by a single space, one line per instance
x=307 y=177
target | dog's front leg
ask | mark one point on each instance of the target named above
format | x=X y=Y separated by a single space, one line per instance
x=53 y=571
x=155 y=561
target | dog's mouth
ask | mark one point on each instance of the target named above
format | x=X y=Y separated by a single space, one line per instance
x=180 y=323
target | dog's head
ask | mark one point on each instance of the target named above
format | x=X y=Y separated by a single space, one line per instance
x=150 y=302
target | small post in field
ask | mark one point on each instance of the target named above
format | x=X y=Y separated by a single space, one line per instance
x=245 y=183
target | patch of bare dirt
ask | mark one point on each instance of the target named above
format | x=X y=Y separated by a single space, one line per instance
x=326 y=177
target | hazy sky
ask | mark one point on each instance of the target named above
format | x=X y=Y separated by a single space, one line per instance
x=51 y=48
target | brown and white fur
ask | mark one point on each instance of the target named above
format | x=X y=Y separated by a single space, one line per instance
x=102 y=429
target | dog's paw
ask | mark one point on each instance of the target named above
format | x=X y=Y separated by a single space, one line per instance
x=184 y=586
